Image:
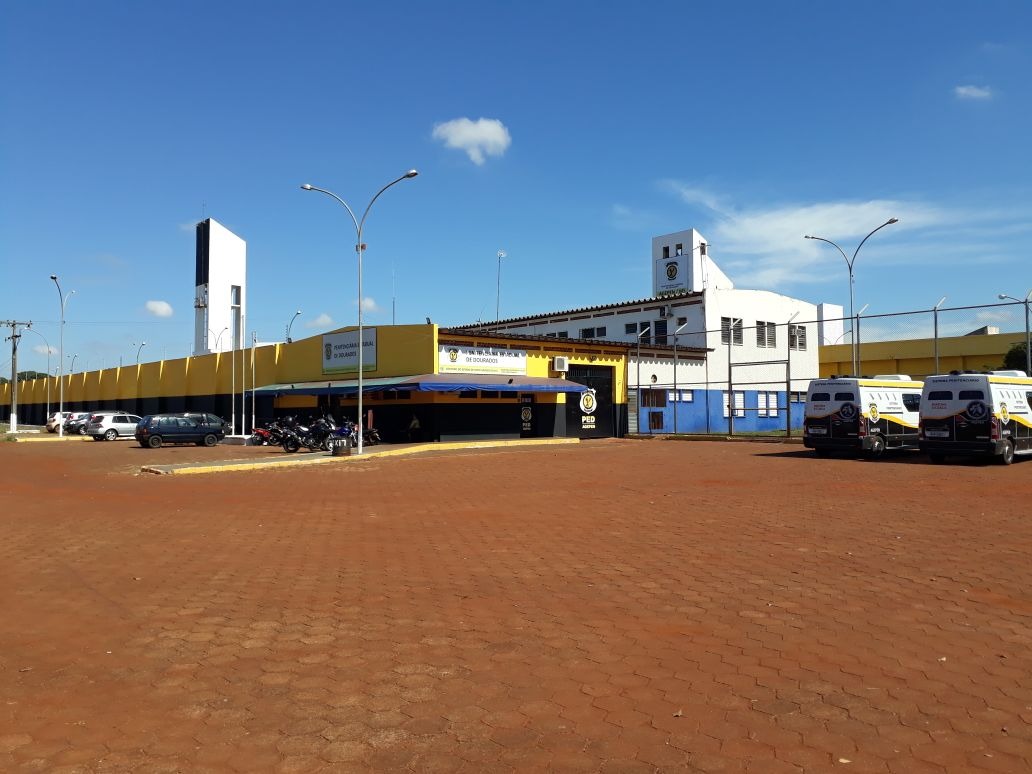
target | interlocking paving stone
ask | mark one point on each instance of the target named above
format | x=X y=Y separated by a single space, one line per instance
x=742 y=607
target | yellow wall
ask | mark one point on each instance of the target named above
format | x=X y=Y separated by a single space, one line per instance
x=402 y=350
x=917 y=356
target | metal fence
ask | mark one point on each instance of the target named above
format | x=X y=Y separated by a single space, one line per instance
x=755 y=382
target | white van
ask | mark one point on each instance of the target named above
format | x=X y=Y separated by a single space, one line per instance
x=977 y=414
x=868 y=414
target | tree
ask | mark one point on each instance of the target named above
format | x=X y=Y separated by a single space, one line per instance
x=1015 y=358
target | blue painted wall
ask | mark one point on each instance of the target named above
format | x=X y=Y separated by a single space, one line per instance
x=698 y=417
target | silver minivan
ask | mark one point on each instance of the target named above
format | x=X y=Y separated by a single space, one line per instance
x=110 y=425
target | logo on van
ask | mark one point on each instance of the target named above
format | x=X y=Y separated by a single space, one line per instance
x=874 y=412
x=848 y=411
x=977 y=411
x=1004 y=413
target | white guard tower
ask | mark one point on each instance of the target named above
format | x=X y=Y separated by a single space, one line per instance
x=680 y=263
x=220 y=293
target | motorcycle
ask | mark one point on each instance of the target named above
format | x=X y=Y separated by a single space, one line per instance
x=318 y=435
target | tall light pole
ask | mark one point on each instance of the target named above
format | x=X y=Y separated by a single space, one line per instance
x=498 y=291
x=217 y=338
x=47 y=343
x=676 y=395
x=935 y=330
x=142 y=345
x=788 y=374
x=646 y=331
x=60 y=362
x=1028 y=343
x=855 y=324
x=359 y=248
x=849 y=265
x=291 y=323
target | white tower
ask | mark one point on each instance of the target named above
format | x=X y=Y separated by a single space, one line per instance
x=220 y=293
x=681 y=263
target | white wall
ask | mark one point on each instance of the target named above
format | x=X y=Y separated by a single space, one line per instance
x=227 y=266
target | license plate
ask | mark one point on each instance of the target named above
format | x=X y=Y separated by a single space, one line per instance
x=817 y=430
x=937 y=433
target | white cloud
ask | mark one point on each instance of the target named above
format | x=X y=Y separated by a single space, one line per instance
x=322 y=321
x=368 y=305
x=480 y=138
x=972 y=92
x=993 y=316
x=159 y=308
x=43 y=349
x=629 y=219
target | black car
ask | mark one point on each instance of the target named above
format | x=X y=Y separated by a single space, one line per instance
x=186 y=427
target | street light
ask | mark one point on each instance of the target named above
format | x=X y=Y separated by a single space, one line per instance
x=291 y=323
x=676 y=395
x=644 y=332
x=935 y=330
x=60 y=362
x=142 y=345
x=217 y=338
x=849 y=265
x=1028 y=343
x=47 y=343
x=788 y=373
x=856 y=338
x=359 y=248
x=498 y=292
x=71 y=368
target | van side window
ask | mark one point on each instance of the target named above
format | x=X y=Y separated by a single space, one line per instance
x=844 y=396
x=1028 y=399
x=821 y=396
x=971 y=395
x=940 y=395
x=911 y=402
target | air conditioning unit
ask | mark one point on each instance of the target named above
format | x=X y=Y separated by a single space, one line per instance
x=560 y=363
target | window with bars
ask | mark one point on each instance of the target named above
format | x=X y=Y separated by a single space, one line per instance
x=766 y=334
x=797 y=337
x=731 y=330
x=653 y=398
x=739 y=404
x=767 y=404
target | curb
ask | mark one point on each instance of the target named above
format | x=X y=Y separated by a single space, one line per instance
x=189 y=469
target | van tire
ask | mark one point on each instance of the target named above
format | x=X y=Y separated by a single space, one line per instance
x=937 y=458
x=1007 y=453
x=877 y=448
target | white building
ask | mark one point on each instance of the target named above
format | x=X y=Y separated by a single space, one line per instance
x=759 y=345
x=220 y=289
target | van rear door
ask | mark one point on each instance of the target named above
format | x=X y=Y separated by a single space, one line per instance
x=833 y=413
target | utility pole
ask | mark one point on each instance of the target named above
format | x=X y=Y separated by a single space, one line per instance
x=13 y=338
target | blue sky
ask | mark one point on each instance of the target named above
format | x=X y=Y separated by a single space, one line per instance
x=566 y=134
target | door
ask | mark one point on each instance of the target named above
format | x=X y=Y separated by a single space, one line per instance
x=591 y=414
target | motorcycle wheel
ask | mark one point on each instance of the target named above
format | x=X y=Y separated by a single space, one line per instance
x=290 y=445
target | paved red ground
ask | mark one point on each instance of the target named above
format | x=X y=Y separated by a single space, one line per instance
x=618 y=606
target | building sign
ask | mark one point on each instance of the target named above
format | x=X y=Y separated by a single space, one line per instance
x=340 y=351
x=588 y=404
x=481 y=360
x=671 y=275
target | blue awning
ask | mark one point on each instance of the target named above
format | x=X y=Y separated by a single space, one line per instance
x=429 y=383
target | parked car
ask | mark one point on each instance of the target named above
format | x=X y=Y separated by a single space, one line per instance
x=76 y=423
x=187 y=427
x=57 y=419
x=109 y=425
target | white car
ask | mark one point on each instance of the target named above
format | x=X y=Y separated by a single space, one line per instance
x=57 y=419
x=111 y=425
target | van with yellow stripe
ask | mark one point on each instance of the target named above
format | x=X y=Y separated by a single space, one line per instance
x=866 y=414
x=965 y=413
